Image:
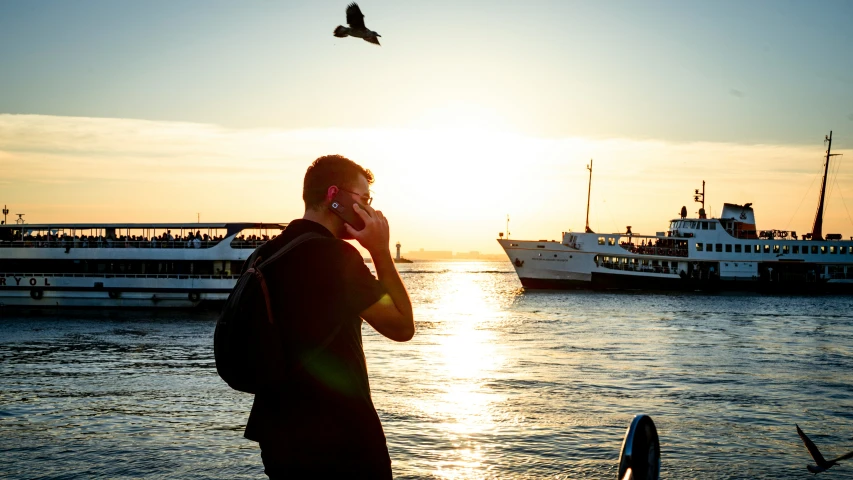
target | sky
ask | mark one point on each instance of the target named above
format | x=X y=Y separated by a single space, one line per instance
x=469 y=111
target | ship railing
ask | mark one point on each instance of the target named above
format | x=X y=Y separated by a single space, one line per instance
x=110 y=244
x=654 y=250
x=179 y=276
x=630 y=267
x=178 y=244
x=238 y=243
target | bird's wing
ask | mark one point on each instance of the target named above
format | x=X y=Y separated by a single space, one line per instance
x=355 y=18
x=816 y=455
x=373 y=40
x=843 y=457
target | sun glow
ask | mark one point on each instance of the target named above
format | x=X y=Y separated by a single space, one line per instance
x=444 y=184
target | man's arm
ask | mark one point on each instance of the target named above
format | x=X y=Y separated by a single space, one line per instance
x=392 y=314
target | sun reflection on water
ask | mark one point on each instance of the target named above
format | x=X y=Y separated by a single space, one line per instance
x=467 y=356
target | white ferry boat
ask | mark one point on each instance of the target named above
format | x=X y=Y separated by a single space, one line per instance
x=124 y=264
x=725 y=253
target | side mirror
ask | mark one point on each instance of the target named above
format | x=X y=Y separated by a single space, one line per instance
x=640 y=456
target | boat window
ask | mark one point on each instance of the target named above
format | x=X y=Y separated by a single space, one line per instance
x=767 y=248
x=704 y=225
x=601 y=240
x=698 y=247
x=785 y=249
x=814 y=249
x=540 y=246
x=775 y=248
x=611 y=241
x=832 y=249
x=728 y=247
x=513 y=244
x=738 y=248
x=823 y=249
x=795 y=249
x=719 y=247
x=842 y=250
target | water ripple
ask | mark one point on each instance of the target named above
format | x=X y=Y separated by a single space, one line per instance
x=498 y=383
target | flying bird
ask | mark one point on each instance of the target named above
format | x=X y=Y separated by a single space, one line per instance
x=355 y=20
x=822 y=463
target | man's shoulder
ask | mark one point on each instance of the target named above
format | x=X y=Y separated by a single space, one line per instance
x=322 y=248
x=325 y=240
x=334 y=250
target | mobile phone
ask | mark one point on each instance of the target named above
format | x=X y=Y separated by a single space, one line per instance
x=342 y=204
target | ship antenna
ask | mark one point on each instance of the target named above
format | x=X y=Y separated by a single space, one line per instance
x=700 y=197
x=588 y=192
x=817 y=229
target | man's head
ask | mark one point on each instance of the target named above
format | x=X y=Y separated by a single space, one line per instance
x=324 y=179
x=337 y=171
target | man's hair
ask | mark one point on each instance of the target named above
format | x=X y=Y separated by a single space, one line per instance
x=330 y=170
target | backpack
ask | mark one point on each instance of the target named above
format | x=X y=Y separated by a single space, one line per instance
x=247 y=341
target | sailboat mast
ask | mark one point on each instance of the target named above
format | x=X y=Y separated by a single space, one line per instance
x=588 y=193
x=817 y=229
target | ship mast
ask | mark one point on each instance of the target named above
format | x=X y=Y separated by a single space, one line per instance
x=588 y=192
x=817 y=229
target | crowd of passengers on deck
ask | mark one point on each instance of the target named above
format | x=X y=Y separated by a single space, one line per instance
x=164 y=240
x=658 y=247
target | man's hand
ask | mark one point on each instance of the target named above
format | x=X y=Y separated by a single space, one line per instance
x=375 y=236
x=392 y=315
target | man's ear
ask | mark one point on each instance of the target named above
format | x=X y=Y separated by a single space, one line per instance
x=331 y=192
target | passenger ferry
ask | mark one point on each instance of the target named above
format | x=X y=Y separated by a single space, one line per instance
x=124 y=264
x=725 y=253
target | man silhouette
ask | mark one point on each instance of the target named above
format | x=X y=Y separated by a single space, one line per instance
x=322 y=422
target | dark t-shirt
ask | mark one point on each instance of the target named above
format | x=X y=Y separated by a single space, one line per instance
x=324 y=411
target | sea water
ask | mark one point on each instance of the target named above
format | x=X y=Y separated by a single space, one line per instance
x=497 y=383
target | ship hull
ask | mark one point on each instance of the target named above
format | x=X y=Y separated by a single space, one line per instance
x=61 y=300
x=108 y=291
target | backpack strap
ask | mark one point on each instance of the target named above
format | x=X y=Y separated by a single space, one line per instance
x=255 y=270
x=257 y=264
x=288 y=247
